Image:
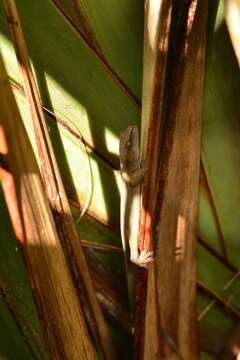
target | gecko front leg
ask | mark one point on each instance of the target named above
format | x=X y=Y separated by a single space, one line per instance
x=145 y=257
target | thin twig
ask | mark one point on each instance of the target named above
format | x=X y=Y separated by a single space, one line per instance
x=213 y=302
x=109 y=70
x=101 y=246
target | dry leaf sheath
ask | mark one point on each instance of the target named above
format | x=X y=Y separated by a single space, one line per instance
x=63 y=321
x=173 y=290
x=57 y=196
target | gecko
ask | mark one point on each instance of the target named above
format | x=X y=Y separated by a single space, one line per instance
x=132 y=174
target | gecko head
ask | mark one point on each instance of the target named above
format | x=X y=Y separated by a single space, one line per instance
x=129 y=147
x=129 y=138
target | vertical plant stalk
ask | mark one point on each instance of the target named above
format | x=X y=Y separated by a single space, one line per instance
x=174 y=268
x=57 y=197
x=60 y=313
x=156 y=43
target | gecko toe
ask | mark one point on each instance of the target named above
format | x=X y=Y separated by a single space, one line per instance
x=145 y=258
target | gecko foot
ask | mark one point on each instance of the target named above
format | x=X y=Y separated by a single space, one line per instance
x=144 y=259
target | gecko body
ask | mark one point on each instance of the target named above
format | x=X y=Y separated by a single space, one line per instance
x=132 y=175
